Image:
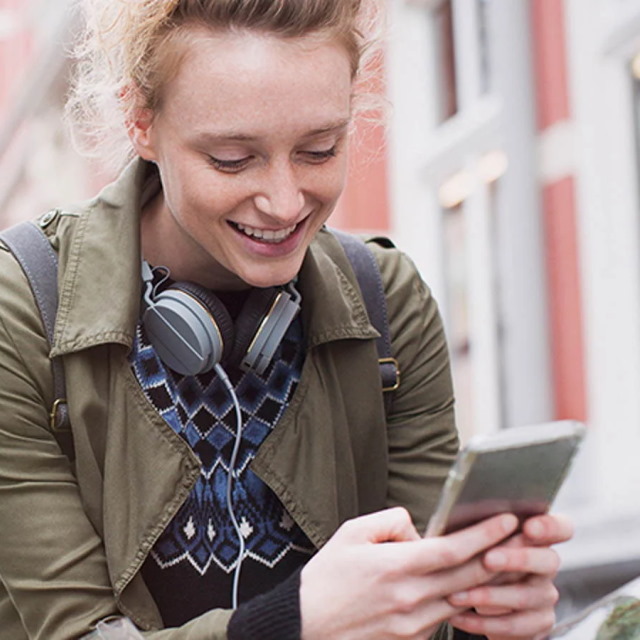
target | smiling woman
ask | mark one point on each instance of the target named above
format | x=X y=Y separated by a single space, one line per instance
x=236 y=472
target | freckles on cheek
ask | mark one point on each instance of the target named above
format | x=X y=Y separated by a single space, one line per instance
x=333 y=183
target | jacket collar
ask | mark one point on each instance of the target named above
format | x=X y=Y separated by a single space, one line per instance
x=100 y=283
x=101 y=286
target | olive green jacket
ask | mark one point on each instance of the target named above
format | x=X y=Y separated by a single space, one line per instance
x=73 y=540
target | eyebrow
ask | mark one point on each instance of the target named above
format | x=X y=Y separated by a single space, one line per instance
x=331 y=128
x=236 y=136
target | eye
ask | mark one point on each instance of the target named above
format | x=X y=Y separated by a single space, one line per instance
x=318 y=157
x=230 y=166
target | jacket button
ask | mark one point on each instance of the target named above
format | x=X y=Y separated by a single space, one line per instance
x=47 y=218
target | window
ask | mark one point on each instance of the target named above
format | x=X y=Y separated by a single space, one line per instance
x=471 y=308
x=446 y=61
x=461 y=51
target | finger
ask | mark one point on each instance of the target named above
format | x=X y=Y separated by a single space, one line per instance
x=526 y=624
x=389 y=525
x=507 y=577
x=462 y=578
x=419 y=622
x=541 y=561
x=548 y=529
x=517 y=541
x=443 y=552
x=417 y=591
x=492 y=611
x=534 y=593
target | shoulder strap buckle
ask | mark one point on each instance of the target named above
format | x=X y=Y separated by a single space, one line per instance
x=390 y=374
x=58 y=417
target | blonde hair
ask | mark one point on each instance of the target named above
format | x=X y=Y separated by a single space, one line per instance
x=127 y=44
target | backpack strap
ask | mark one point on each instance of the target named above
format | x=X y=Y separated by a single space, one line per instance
x=39 y=261
x=369 y=279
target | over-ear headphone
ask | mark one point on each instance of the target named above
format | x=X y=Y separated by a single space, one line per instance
x=192 y=330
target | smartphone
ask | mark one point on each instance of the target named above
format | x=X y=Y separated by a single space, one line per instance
x=517 y=470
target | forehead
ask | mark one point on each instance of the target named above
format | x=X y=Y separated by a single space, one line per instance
x=251 y=82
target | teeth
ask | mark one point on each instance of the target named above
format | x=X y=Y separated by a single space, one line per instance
x=267 y=235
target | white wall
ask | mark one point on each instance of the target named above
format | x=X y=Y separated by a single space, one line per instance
x=599 y=43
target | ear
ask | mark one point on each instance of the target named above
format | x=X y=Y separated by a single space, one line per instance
x=140 y=130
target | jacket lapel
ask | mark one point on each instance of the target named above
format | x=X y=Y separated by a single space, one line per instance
x=309 y=460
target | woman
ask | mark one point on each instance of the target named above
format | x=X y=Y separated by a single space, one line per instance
x=237 y=115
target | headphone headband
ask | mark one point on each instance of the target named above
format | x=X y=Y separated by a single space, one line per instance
x=192 y=331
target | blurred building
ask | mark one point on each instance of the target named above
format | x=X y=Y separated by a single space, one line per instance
x=513 y=170
x=38 y=167
x=510 y=173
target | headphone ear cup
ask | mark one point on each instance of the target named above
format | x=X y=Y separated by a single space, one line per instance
x=249 y=322
x=189 y=328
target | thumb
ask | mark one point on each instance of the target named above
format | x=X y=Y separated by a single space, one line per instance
x=389 y=525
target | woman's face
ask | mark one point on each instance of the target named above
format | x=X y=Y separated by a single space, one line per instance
x=251 y=143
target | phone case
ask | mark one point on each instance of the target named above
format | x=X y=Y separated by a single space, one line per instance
x=517 y=470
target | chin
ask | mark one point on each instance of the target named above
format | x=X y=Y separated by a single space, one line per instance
x=265 y=280
x=264 y=283
x=271 y=277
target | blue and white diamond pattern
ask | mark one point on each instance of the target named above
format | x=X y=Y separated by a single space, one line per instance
x=200 y=410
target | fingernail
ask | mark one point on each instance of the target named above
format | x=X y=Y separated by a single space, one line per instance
x=508 y=523
x=535 y=528
x=496 y=559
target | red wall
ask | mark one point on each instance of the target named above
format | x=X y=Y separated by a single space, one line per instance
x=560 y=216
x=365 y=202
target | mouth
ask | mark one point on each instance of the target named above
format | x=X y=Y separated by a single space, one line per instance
x=267 y=236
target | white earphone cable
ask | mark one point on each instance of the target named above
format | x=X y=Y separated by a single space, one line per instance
x=232 y=464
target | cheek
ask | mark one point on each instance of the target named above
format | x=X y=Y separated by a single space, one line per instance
x=333 y=181
x=209 y=194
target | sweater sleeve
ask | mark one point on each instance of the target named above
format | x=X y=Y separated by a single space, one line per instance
x=274 y=615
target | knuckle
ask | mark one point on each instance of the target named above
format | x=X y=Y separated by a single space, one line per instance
x=349 y=526
x=504 y=626
x=555 y=561
x=549 y=618
x=398 y=519
x=544 y=563
x=521 y=600
x=402 y=626
x=524 y=558
x=401 y=514
x=554 y=594
x=448 y=555
x=482 y=597
x=405 y=600
x=396 y=566
x=541 y=622
x=479 y=573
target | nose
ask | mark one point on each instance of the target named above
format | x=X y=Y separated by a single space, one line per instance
x=281 y=198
